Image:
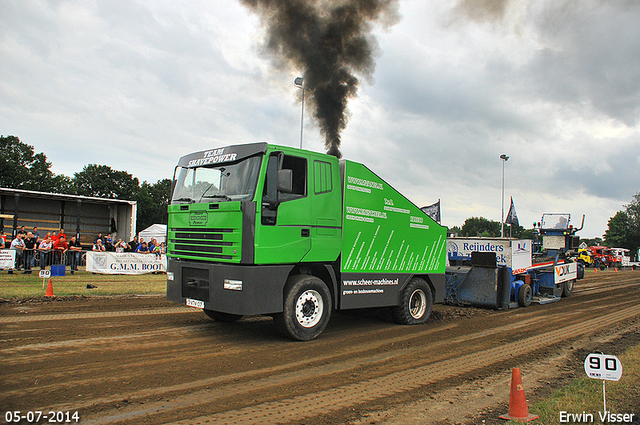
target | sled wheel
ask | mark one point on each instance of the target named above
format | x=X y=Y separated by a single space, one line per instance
x=525 y=296
x=307 y=308
x=567 y=288
x=219 y=316
x=416 y=303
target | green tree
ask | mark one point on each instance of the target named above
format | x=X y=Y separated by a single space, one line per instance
x=22 y=168
x=624 y=228
x=153 y=200
x=474 y=226
x=103 y=182
x=618 y=233
x=592 y=242
x=454 y=230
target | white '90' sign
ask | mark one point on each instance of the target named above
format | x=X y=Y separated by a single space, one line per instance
x=603 y=366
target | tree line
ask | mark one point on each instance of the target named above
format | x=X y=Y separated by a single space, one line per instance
x=623 y=229
x=22 y=168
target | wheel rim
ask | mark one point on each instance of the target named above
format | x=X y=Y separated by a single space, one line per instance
x=528 y=295
x=417 y=304
x=309 y=308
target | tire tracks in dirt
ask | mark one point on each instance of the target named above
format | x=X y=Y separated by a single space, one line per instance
x=326 y=401
x=226 y=389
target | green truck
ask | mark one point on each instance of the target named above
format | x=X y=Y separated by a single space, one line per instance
x=260 y=229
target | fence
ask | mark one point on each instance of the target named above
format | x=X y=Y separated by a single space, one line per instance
x=35 y=258
x=99 y=262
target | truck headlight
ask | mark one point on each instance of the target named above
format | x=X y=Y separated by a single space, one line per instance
x=169 y=275
x=233 y=285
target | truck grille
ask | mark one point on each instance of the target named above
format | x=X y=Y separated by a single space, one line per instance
x=204 y=244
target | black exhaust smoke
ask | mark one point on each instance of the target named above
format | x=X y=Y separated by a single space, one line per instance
x=331 y=42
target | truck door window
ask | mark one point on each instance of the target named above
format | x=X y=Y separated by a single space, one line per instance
x=322 y=177
x=299 y=168
x=270 y=196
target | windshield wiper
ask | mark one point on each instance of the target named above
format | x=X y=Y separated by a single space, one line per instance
x=225 y=197
x=189 y=200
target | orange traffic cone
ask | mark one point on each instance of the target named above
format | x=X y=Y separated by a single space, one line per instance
x=49 y=290
x=518 y=410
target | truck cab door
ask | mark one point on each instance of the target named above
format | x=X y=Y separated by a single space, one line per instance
x=283 y=224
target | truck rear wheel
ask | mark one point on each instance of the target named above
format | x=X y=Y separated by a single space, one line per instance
x=525 y=295
x=567 y=288
x=219 y=316
x=307 y=308
x=416 y=303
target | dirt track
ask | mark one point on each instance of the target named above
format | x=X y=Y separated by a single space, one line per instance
x=145 y=360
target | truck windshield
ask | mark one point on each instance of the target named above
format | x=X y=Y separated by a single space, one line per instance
x=223 y=182
x=555 y=221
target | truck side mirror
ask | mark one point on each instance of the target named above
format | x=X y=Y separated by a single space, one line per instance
x=285 y=181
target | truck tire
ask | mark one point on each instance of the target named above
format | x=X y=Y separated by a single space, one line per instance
x=567 y=288
x=307 y=308
x=415 y=305
x=525 y=296
x=219 y=316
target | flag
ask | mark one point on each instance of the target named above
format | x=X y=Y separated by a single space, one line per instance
x=512 y=217
x=433 y=211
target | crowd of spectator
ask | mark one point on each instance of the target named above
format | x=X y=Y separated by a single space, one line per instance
x=56 y=246
x=107 y=243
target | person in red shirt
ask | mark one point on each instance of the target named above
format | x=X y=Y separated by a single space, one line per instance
x=62 y=234
x=59 y=247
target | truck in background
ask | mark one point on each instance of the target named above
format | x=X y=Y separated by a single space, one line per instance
x=621 y=257
x=260 y=229
x=602 y=256
x=636 y=261
x=583 y=257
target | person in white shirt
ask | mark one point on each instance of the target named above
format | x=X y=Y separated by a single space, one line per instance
x=45 y=252
x=18 y=245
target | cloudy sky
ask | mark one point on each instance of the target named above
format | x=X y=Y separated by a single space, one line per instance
x=554 y=84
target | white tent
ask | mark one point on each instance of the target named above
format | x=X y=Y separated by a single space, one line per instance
x=157 y=231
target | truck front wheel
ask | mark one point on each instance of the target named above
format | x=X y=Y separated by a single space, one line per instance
x=307 y=308
x=416 y=303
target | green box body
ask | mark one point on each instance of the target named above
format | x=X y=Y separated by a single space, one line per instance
x=234 y=236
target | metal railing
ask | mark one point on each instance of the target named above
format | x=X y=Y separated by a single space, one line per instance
x=37 y=259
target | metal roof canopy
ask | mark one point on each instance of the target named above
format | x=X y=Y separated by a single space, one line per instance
x=62 y=196
x=124 y=212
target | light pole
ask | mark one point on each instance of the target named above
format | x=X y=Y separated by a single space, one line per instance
x=504 y=159
x=298 y=83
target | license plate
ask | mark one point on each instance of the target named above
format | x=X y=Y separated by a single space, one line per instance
x=195 y=303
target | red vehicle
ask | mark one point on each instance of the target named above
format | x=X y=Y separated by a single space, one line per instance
x=621 y=256
x=602 y=255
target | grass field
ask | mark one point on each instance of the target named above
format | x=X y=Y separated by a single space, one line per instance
x=584 y=395
x=19 y=285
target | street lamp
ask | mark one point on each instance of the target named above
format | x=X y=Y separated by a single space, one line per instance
x=298 y=83
x=504 y=159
